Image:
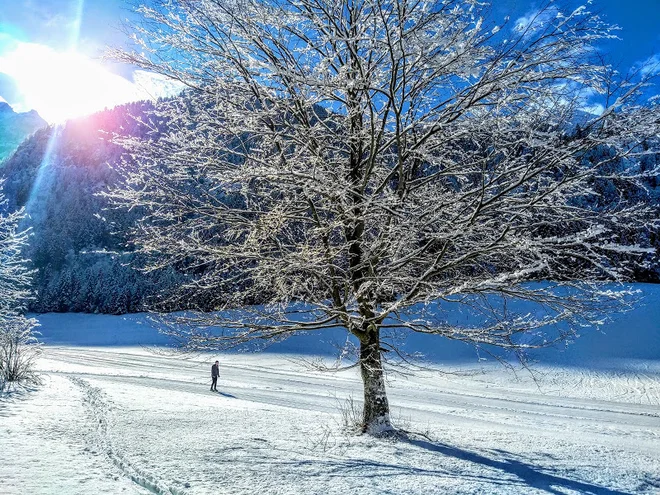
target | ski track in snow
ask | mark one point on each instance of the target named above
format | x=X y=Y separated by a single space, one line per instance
x=147 y=423
x=99 y=410
x=46 y=445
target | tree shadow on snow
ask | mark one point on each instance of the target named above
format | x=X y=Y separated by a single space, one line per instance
x=504 y=469
x=523 y=475
x=531 y=475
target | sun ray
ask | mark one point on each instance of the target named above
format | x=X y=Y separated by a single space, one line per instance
x=45 y=168
x=33 y=206
x=74 y=36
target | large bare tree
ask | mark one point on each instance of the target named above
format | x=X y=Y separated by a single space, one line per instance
x=356 y=163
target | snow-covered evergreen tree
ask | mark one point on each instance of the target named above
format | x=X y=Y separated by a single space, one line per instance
x=18 y=346
x=384 y=156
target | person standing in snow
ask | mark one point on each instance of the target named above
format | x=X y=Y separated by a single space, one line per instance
x=215 y=371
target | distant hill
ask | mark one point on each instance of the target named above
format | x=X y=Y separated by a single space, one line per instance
x=15 y=127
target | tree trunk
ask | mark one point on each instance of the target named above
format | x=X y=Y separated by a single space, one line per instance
x=376 y=415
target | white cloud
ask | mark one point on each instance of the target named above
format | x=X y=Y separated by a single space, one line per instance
x=595 y=109
x=587 y=99
x=651 y=66
x=154 y=85
x=535 y=19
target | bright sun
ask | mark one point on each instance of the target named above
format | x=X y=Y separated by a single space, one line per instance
x=63 y=85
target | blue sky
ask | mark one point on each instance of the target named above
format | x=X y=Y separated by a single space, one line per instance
x=639 y=21
x=52 y=27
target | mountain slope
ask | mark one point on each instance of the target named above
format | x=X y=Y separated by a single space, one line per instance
x=15 y=127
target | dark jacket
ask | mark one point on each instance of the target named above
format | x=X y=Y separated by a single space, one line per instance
x=215 y=371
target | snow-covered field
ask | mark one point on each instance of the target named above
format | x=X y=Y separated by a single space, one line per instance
x=122 y=419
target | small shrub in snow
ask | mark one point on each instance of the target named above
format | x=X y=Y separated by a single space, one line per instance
x=351 y=414
x=18 y=350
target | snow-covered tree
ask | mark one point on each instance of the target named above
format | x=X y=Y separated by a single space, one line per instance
x=358 y=163
x=17 y=342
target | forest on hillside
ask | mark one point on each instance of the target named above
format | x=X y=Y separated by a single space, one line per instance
x=78 y=246
x=82 y=260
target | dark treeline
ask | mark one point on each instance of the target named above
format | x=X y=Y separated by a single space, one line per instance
x=78 y=245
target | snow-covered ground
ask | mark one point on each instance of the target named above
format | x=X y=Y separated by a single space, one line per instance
x=118 y=418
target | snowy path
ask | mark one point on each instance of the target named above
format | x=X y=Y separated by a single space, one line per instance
x=46 y=445
x=123 y=420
